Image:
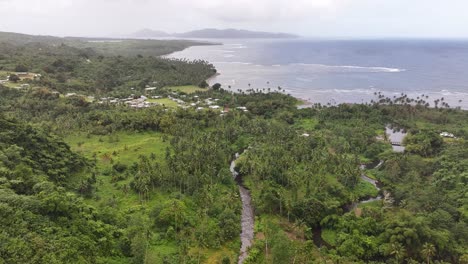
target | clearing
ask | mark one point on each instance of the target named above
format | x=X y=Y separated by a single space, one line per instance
x=188 y=89
x=164 y=102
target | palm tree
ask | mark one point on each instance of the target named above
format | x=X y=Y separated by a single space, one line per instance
x=428 y=251
x=398 y=251
x=300 y=227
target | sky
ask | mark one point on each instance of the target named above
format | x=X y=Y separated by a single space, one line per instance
x=310 y=18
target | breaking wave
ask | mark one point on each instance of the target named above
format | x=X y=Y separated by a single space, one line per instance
x=349 y=68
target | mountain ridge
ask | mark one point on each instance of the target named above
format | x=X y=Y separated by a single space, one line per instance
x=213 y=33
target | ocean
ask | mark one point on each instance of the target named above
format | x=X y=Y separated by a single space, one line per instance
x=342 y=71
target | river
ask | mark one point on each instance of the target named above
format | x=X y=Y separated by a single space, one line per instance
x=393 y=136
x=247 y=217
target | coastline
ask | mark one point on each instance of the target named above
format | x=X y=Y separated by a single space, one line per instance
x=332 y=79
x=303 y=103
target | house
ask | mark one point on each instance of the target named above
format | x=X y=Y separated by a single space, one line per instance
x=215 y=106
x=447 y=135
x=22 y=74
x=150 y=89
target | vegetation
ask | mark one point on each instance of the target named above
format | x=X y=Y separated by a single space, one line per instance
x=90 y=181
x=67 y=67
x=188 y=89
x=108 y=47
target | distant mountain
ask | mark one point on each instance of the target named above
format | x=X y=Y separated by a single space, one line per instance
x=209 y=33
x=149 y=33
x=232 y=33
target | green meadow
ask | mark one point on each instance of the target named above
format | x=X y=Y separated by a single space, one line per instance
x=188 y=89
x=164 y=102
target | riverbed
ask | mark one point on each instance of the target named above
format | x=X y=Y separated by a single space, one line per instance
x=247 y=217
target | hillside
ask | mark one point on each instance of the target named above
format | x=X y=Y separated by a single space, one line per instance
x=22 y=39
x=104 y=46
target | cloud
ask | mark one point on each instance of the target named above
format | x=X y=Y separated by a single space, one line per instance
x=261 y=10
x=306 y=17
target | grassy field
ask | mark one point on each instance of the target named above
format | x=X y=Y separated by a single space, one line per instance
x=12 y=84
x=188 y=89
x=306 y=123
x=121 y=147
x=164 y=101
x=124 y=148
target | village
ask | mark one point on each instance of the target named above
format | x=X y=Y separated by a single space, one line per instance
x=170 y=97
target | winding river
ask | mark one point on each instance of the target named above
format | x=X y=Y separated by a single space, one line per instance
x=371 y=181
x=247 y=218
x=393 y=136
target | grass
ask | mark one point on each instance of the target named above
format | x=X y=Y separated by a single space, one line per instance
x=3 y=75
x=215 y=256
x=374 y=204
x=156 y=253
x=364 y=189
x=329 y=236
x=306 y=123
x=371 y=174
x=122 y=147
x=12 y=85
x=188 y=89
x=164 y=102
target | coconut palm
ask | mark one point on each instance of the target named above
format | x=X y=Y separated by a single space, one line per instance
x=428 y=251
x=398 y=251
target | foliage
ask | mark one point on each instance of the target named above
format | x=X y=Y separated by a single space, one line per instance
x=153 y=185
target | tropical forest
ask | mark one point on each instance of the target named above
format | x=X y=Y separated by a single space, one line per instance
x=112 y=153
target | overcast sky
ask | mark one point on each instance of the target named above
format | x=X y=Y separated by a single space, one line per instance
x=313 y=18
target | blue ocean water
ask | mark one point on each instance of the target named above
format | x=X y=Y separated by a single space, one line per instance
x=342 y=71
